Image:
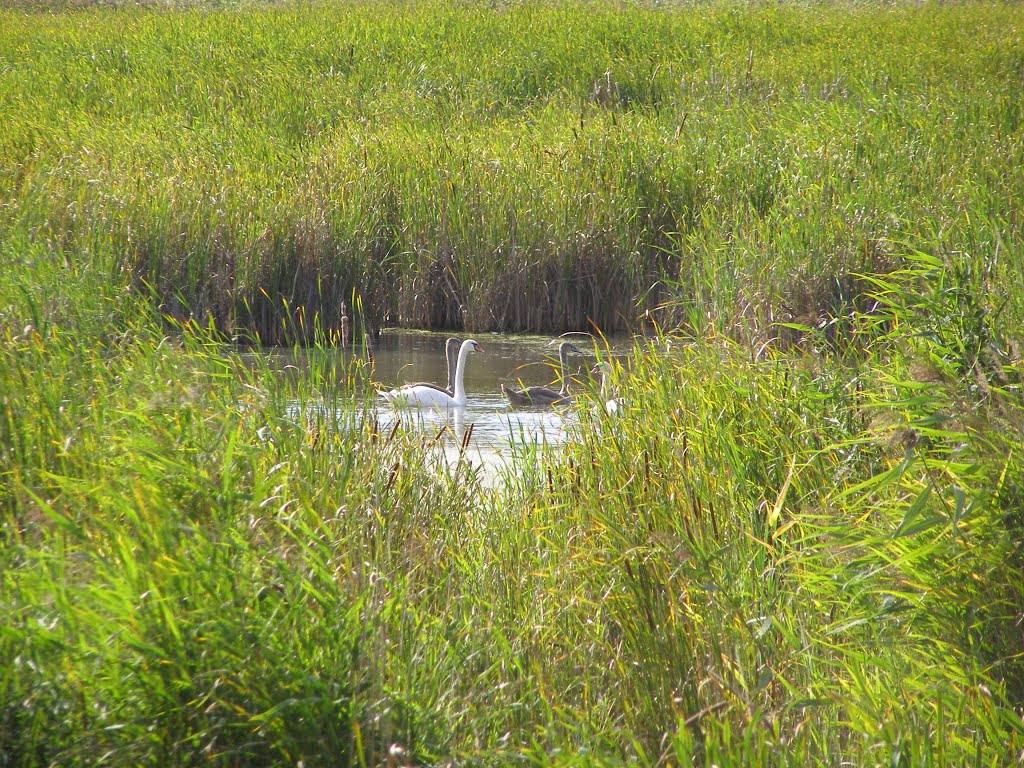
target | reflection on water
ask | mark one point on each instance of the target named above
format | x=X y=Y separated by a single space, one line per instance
x=490 y=429
x=497 y=429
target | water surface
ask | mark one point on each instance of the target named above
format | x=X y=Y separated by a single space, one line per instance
x=495 y=429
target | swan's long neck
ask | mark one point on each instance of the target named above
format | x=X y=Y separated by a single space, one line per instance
x=460 y=374
x=449 y=354
x=563 y=357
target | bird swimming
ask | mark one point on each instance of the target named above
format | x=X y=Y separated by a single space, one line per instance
x=451 y=352
x=429 y=395
x=545 y=395
x=611 y=406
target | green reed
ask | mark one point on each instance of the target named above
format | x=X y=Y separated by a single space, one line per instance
x=534 y=166
x=787 y=560
x=806 y=552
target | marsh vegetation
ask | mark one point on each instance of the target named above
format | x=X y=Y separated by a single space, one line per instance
x=799 y=541
x=523 y=167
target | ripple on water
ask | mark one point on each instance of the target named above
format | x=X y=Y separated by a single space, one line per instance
x=498 y=433
x=497 y=429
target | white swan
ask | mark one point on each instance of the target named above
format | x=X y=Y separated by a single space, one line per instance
x=451 y=350
x=425 y=395
x=612 y=406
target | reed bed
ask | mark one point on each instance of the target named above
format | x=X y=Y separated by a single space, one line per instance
x=797 y=559
x=524 y=167
x=796 y=553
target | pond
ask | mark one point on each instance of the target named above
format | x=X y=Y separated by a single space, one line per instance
x=495 y=429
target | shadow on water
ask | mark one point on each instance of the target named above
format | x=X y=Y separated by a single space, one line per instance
x=496 y=430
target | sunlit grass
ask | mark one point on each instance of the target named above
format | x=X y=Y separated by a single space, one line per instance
x=794 y=553
x=761 y=559
x=533 y=166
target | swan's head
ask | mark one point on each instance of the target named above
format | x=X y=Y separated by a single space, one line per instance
x=602 y=368
x=472 y=346
x=566 y=347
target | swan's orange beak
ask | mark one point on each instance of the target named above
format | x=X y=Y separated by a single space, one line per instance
x=478 y=348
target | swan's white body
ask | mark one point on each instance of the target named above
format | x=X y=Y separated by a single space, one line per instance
x=451 y=351
x=427 y=396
